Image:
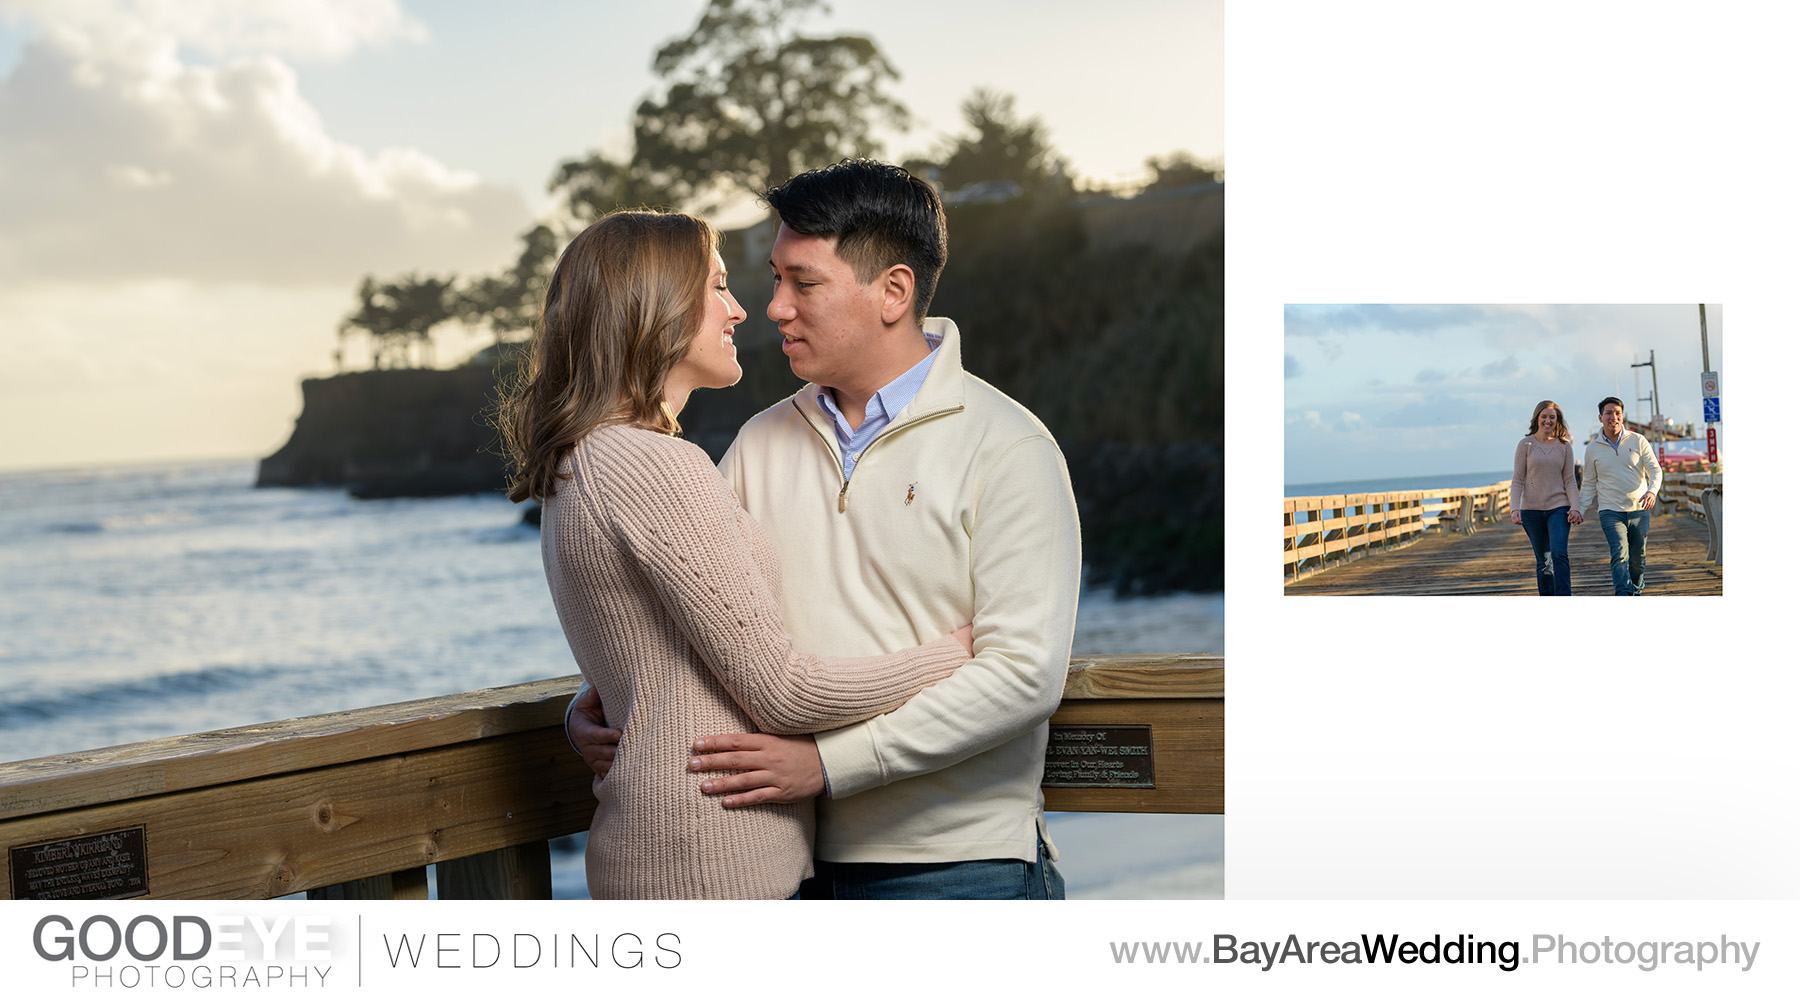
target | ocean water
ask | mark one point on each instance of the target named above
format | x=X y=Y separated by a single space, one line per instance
x=145 y=601
x=1390 y=484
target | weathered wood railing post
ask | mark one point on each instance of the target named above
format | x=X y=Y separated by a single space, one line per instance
x=521 y=871
x=1712 y=501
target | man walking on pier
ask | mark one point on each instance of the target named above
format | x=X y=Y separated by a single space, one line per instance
x=1622 y=476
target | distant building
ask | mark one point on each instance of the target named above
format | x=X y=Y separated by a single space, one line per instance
x=1172 y=220
x=983 y=192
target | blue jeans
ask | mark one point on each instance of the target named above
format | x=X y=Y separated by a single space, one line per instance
x=1549 y=534
x=1626 y=532
x=1000 y=878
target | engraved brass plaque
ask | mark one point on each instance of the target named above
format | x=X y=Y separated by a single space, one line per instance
x=107 y=865
x=1099 y=757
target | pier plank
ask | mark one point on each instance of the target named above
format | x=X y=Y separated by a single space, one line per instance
x=1185 y=675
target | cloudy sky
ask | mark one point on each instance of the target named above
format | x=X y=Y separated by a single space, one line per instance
x=189 y=191
x=1378 y=391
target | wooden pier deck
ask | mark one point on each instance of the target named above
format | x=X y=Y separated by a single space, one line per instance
x=1496 y=559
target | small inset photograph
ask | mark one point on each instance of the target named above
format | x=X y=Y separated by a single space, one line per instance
x=1549 y=450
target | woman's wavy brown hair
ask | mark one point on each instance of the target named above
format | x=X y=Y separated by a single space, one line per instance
x=1562 y=429
x=625 y=301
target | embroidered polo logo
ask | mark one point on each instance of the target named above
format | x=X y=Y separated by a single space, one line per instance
x=909 y=494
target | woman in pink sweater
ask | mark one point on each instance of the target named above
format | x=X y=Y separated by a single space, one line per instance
x=667 y=591
x=1544 y=495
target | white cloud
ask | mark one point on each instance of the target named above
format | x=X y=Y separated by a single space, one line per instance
x=328 y=29
x=1502 y=369
x=118 y=160
x=130 y=175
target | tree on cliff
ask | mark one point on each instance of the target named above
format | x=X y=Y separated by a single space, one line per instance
x=597 y=184
x=508 y=302
x=748 y=101
x=398 y=315
x=1000 y=146
x=1179 y=169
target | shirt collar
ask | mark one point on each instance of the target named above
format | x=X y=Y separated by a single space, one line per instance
x=890 y=399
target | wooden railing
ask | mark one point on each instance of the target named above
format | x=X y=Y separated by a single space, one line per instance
x=1699 y=495
x=356 y=804
x=1682 y=492
x=1322 y=530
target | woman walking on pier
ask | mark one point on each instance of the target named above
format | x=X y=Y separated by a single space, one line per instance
x=1544 y=495
x=668 y=592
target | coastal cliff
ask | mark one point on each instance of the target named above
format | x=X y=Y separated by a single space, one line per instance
x=400 y=432
x=1114 y=340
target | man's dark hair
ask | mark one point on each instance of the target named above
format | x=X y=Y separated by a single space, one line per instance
x=1612 y=399
x=880 y=214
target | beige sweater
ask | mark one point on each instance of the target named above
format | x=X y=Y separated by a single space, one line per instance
x=669 y=595
x=1543 y=475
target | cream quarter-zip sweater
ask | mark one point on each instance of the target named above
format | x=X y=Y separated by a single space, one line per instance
x=960 y=511
x=1618 y=478
x=667 y=593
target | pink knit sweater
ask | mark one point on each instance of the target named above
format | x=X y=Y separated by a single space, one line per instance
x=1543 y=475
x=667 y=592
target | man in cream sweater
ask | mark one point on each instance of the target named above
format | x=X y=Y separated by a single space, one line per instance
x=906 y=498
x=1622 y=476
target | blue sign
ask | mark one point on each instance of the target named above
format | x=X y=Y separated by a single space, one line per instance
x=1711 y=407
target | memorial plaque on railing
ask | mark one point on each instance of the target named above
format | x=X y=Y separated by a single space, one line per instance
x=1099 y=757
x=107 y=865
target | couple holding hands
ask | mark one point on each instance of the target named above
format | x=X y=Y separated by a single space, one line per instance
x=1619 y=474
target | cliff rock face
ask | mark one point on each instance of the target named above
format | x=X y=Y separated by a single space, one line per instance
x=400 y=432
x=1106 y=319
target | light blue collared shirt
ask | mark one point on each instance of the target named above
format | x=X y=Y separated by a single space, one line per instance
x=883 y=407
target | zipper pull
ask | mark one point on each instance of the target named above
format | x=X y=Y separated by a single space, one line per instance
x=841 y=493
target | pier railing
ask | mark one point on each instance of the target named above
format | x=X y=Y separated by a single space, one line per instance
x=357 y=804
x=1699 y=495
x=1322 y=530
